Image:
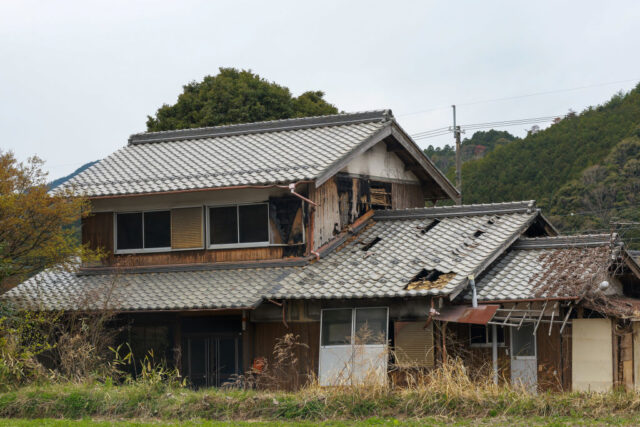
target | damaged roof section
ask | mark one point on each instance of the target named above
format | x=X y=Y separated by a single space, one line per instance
x=413 y=252
x=554 y=267
x=424 y=251
x=430 y=279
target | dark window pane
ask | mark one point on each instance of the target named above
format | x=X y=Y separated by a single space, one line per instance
x=371 y=325
x=524 y=340
x=224 y=225
x=129 y=231
x=157 y=229
x=254 y=223
x=500 y=330
x=478 y=334
x=336 y=327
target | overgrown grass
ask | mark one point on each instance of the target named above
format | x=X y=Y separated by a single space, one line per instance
x=140 y=401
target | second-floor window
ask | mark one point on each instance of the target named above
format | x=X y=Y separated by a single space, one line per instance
x=139 y=231
x=244 y=225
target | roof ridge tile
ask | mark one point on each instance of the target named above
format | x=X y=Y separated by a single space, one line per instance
x=260 y=127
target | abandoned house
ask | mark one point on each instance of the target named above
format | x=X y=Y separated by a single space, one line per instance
x=221 y=240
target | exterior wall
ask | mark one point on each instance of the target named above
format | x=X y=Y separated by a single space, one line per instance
x=554 y=367
x=592 y=355
x=378 y=163
x=478 y=359
x=188 y=199
x=344 y=198
x=264 y=340
x=405 y=196
x=98 y=229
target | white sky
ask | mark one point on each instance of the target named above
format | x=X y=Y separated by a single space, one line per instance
x=78 y=77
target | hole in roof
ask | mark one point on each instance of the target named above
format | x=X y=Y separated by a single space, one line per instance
x=478 y=233
x=425 y=229
x=428 y=275
x=369 y=245
x=430 y=279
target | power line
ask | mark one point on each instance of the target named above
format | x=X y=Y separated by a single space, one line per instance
x=475 y=126
x=528 y=95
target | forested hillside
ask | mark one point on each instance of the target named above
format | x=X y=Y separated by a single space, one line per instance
x=584 y=171
x=477 y=146
x=536 y=167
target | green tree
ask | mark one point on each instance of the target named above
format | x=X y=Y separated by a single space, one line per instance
x=236 y=96
x=37 y=229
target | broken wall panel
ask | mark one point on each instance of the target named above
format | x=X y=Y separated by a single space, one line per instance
x=592 y=355
x=286 y=220
x=327 y=213
x=404 y=196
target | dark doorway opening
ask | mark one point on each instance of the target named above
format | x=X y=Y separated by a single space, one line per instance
x=212 y=360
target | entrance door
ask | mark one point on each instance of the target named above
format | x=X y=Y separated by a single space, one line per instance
x=211 y=361
x=524 y=363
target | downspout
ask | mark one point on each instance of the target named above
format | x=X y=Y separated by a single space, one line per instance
x=494 y=352
x=494 y=331
x=474 y=296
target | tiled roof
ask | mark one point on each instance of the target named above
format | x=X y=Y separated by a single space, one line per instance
x=535 y=268
x=458 y=239
x=461 y=240
x=56 y=289
x=264 y=153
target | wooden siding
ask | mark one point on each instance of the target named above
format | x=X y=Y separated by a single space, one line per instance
x=345 y=198
x=264 y=340
x=97 y=231
x=550 y=358
x=200 y=256
x=405 y=196
x=327 y=213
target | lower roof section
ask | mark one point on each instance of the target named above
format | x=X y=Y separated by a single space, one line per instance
x=561 y=267
x=415 y=252
x=59 y=289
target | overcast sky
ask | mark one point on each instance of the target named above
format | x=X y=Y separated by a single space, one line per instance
x=78 y=77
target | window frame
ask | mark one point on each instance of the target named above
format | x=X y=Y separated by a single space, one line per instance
x=208 y=227
x=488 y=342
x=352 y=342
x=143 y=249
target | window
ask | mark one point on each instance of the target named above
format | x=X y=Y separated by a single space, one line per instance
x=481 y=335
x=371 y=326
x=346 y=326
x=524 y=341
x=138 y=231
x=336 y=327
x=239 y=224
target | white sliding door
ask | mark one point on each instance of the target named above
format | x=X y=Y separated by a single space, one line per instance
x=353 y=346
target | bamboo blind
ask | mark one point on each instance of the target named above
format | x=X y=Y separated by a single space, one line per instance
x=414 y=344
x=186 y=228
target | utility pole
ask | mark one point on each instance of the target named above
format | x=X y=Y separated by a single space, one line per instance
x=456 y=134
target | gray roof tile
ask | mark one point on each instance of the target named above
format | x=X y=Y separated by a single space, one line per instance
x=523 y=272
x=253 y=154
x=384 y=270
